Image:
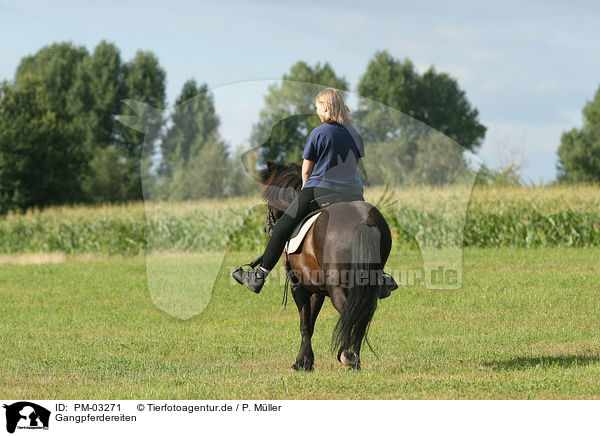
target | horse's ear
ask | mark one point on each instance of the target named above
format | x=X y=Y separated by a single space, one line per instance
x=271 y=165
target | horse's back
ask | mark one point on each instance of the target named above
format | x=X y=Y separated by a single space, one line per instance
x=347 y=215
x=335 y=229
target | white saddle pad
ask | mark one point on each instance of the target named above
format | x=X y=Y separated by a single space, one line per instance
x=293 y=244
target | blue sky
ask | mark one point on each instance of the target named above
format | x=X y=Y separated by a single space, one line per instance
x=528 y=67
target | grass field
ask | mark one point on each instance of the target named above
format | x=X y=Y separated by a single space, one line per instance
x=526 y=324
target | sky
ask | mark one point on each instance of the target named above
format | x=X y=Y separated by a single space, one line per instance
x=528 y=67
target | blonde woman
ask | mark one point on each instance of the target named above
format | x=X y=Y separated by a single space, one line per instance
x=330 y=165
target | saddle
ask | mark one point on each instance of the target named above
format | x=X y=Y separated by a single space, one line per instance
x=316 y=206
x=325 y=200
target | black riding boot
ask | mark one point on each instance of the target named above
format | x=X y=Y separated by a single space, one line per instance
x=253 y=279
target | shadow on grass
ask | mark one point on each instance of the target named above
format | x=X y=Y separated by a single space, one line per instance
x=563 y=361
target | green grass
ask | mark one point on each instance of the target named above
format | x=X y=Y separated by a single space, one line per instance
x=525 y=325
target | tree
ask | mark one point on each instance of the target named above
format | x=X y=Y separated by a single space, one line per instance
x=240 y=182
x=56 y=67
x=95 y=95
x=423 y=160
x=94 y=100
x=68 y=100
x=40 y=163
x=144 y=81
x=194 y=120
x=204 y=175
x=41 y=156
x=289 y=112
x=195 y=163
x=118 y=157
x=579 y=151
x=122 y=156
x=432 y=98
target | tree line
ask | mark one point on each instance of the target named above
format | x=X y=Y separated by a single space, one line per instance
x=60 y=142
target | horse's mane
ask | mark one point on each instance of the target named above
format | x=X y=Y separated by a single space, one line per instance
x=281 y=183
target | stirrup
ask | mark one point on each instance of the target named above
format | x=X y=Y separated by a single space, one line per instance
x=245 y=278
x=255 y=262
x=389 y=285
x=252 y=264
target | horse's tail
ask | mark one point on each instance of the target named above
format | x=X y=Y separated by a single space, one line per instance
x=363 y=291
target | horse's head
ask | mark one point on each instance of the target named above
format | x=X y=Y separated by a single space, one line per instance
x=281 y=183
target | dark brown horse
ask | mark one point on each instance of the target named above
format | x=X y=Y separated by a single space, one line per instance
x=342 y=256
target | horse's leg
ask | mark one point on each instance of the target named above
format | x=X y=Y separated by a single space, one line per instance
x=305 y=303
x=316 y=302
x=338 y=298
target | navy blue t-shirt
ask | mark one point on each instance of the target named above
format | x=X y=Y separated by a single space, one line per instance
x=335 y=149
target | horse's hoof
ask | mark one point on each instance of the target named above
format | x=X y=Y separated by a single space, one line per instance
x=304 y=366
x=350 y=359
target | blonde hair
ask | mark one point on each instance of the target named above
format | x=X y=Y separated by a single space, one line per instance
x=336 y=108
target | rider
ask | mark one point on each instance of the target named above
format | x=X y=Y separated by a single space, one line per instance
x=330 y=165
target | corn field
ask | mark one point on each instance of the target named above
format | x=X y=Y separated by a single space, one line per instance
x=485 y=217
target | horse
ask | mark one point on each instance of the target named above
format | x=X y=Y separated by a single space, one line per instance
x=348 y=241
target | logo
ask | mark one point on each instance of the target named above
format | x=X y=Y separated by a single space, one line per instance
x=26 y=415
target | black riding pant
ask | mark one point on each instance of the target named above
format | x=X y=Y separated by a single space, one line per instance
x=285 y=225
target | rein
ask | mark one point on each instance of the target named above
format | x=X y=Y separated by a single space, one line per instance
x=271 y=218
x=271 y=223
